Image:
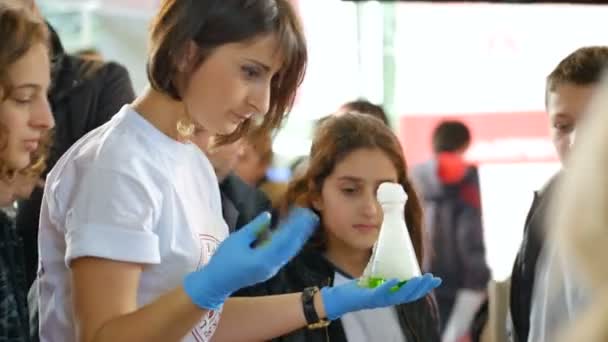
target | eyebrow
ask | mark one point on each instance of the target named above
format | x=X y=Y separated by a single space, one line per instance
x=561 y=115
x=359 y=180
x=350 y=178
x=260 y=64
x=387 y=181
x=28 y=85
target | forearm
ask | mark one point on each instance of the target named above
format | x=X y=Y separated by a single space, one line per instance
x=263 y=318
x=167 y=319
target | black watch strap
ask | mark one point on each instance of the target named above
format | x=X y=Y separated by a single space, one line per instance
x=308 y=305
x=313 y=320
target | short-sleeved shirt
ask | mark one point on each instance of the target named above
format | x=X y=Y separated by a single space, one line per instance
x=127 y=192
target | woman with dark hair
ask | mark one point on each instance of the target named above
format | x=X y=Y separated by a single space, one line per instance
x=351 y=155
x=132 y=215
x=25 y=121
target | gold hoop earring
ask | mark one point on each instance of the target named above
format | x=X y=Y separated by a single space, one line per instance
x=185 y=128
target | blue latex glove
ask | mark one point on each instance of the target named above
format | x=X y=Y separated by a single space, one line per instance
x=351 y=297
x=236 y=264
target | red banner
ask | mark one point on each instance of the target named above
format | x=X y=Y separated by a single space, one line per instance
x=496 y=137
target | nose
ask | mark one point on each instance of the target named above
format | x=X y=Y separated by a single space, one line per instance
x=371 y=207
x=259 y=98
x=42 y=117
x=572 y=138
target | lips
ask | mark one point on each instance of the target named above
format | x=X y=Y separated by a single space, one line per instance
x=242 y=117
x=31 y=145
x=365 y=227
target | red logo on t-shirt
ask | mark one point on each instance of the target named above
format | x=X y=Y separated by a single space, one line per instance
x=207 y=326
x=208 y=246
x=204 y=330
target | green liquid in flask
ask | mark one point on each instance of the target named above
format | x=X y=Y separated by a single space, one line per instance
x=374 y=282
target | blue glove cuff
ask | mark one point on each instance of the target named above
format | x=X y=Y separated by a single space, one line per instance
x=200 y=294
x=330 y=305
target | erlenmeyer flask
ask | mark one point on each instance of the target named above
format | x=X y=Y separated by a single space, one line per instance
x=393 y=255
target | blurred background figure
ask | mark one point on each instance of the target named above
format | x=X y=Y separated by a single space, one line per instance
x=449 y=187
x=241 y=202
x=89 y=54
x=255 y=157
x=361 y=106
x=364 y=106
x=298 y=166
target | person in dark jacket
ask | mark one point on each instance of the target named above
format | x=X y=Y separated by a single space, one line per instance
x=450 y=189
x=524 y=267
x=351 y=155
x=364 y=106
x=84 y=94
x=569 y=90
x=241 y=202
x=248 y=202
x=14 y=324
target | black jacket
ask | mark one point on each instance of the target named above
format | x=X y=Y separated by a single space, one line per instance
x=84 y=94
x=418 y=320
x=524 y=269
x=14 y=325
x=241 y=202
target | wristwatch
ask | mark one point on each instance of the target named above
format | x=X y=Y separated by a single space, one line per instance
x=313 y=320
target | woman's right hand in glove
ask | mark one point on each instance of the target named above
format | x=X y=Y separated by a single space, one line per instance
x=237 y=263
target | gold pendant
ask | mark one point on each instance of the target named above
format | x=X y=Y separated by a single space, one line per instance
x=185 y=129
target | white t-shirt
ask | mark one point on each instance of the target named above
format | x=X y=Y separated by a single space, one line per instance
x=127 y=192
x=559 y=294
x=370 y=325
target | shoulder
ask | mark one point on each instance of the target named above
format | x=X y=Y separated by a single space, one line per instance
x=550 y=185
x=541 y=200
x=116 y=147
x=75 y=74
x=244 y=196
x=110 y=74
x=424 y=175
x=112 y=68
x=428 y=167
x=86 y=69
x=105 y=176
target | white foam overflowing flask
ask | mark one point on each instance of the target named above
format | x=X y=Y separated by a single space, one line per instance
x=393 y=255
